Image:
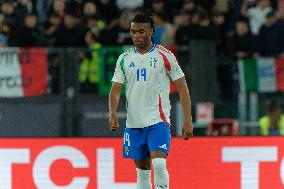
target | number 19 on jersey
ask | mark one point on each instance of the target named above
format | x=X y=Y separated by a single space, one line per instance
x=126 y=139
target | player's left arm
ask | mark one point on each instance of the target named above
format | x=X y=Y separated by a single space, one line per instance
x=177 y=76
x=182 y=89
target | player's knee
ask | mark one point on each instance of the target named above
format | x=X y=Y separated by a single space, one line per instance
x=143 y=165
x=159 y=165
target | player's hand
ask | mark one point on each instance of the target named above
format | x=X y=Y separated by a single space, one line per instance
x=113 y=123
x=187 y=130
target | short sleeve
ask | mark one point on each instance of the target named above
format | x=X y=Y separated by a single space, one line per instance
x=172 y=66
x=119 y=73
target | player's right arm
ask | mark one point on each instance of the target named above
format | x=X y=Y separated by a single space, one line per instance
x=114 y=94
x=113 y=100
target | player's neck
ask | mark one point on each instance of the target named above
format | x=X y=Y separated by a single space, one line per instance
x=145 y=49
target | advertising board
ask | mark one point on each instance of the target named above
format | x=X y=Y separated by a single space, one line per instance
x=97 y=163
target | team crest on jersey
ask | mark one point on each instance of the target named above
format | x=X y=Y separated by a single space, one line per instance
x=132 y=65
x=153 y=62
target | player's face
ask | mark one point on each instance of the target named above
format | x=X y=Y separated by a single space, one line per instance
x=140 y=34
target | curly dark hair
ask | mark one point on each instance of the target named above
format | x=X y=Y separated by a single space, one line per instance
x=144 y=18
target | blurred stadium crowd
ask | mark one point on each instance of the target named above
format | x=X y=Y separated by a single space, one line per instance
x=242 y=28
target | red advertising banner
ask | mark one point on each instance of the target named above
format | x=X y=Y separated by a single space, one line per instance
x=200 y=163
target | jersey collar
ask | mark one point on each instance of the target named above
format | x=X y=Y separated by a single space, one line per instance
x=150 y=50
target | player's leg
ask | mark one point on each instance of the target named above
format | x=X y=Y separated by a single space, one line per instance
x=161 y=174
x=136 y=148
x=159 y=144
x=143 y=168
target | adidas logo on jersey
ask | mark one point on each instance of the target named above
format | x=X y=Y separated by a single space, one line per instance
x=164 y=146
x=132 y=65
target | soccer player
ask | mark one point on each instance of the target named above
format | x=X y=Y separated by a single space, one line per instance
x=146 y=70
